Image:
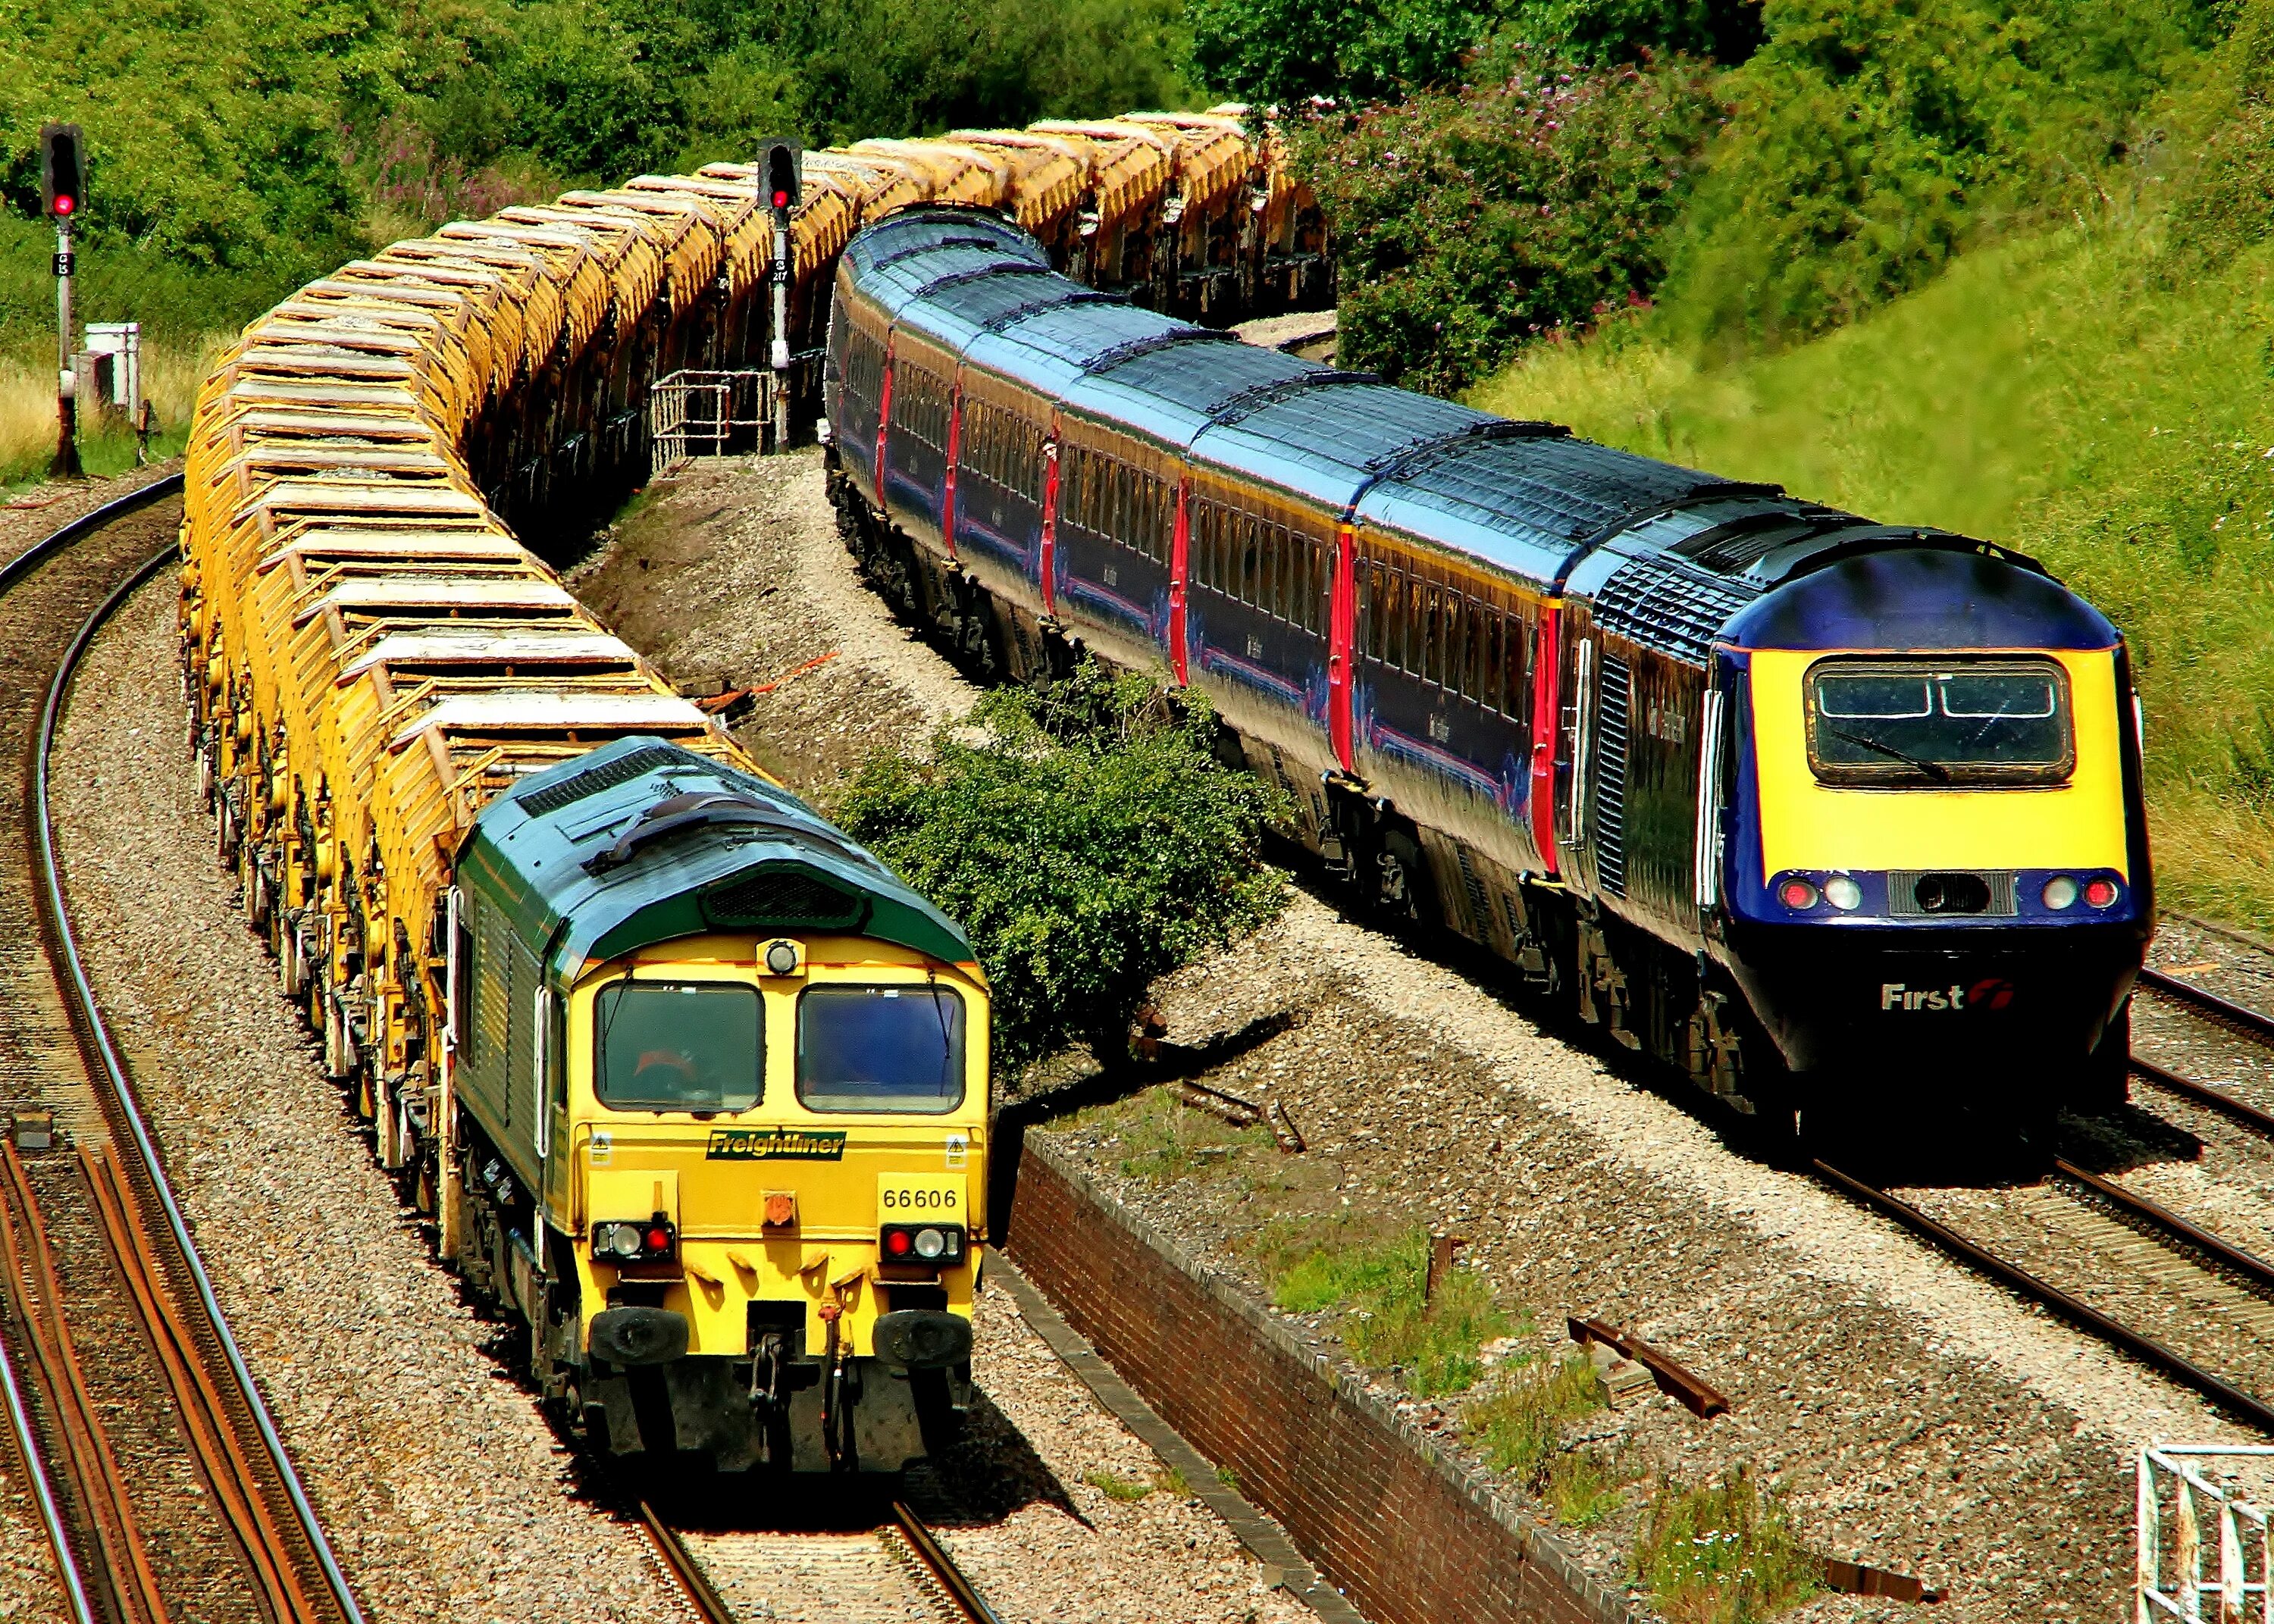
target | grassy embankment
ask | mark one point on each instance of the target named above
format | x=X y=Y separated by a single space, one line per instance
x=2084 y=396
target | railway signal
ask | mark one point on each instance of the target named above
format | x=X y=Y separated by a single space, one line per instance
x=783 y=172
x=63 y=189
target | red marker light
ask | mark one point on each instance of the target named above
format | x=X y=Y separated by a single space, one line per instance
x=897 y=1243
x=659 y=1240
x=1796 y=894
x=2100 y=893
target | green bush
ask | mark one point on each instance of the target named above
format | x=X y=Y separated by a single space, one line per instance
x=1468 y=222
x=1088 y=840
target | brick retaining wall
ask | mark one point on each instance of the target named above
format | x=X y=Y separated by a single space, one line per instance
x=1412 y=1536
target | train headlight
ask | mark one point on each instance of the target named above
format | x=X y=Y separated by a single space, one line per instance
x=2101 y=892
x=620 y=1240
x=929 y=1244
x=2061 y=893
x=1843 y=893
x=1796 y=894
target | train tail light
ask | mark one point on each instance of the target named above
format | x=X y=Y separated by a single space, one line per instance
x=652 y=1241
x=2101 y=892
x=1796 y=894
x=920 y=1243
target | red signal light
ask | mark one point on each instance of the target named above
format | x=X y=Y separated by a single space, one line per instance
x=64 y=203
x=781 y=200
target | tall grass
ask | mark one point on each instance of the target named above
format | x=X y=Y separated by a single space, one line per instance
x=2082 y=395
x=27 y=412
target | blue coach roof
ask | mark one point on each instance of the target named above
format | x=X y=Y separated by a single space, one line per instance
x=1922 y=598
x=917 y=230
x=641 y=841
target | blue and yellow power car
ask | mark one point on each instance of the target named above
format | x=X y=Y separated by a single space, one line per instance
x=1823 y=811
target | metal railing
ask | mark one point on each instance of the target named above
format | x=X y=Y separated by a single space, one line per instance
x=707 y=413
x=2204 y=1549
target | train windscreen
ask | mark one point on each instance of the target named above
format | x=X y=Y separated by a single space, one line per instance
x=1908 y=724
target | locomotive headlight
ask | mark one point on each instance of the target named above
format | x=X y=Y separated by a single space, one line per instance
x=929 y=1244
x=620 y=1240
x=1843 y=893
x=2061 y=893
x=1796 y=893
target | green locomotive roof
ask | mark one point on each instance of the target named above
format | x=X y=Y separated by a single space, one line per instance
x=641 y=841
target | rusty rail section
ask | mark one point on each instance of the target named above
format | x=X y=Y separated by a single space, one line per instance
x=215 y=1411
x=2257 y=1023
x=2223 y=1393
x=922 y=1543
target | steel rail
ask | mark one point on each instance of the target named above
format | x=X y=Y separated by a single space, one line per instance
x=922 y=1544
x=2204 y=1094
x=85 y=525
x=682 y=1567
x=35 y=1469
x=2175 y=1230
x=81 y=992
x=935 y=1556
x=2147 y=1350
x=2256 y=1022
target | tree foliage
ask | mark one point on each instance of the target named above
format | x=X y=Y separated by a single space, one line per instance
x=1467 y=222
x=1870 y=138
x=1088 y=840
x=237 y=151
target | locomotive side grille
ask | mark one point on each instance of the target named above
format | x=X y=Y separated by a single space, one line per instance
x=1611 y=717
x=635 y=765
x=786 y=899
x=1670 y=606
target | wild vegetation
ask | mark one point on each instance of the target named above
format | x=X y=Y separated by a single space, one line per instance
x=234 y=152
x=1089 y=840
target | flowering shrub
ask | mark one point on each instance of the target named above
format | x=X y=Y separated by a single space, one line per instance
x=1468 y=222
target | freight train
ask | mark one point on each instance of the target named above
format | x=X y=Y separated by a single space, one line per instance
x=692 y=1089
x=1821 y=811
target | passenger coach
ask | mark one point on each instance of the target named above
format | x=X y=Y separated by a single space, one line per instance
x=1813 y=808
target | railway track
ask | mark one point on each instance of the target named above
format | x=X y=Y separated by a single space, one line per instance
x=158 y=1478
x=2159 y=1285
x=895 y=1572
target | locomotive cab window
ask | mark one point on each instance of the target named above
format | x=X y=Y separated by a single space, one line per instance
x=678 y=1046
x=1930 y=725
x=880 y=1048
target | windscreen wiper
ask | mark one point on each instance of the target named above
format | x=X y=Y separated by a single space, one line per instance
x=1934 y=770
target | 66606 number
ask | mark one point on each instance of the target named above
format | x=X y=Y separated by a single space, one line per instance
x=920 y=1200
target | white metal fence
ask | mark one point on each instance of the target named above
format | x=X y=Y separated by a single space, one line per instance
x=2204 y=1550
x=707 y=413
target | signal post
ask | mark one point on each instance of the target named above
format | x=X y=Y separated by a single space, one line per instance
x=784 y=189
x=62 y=185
